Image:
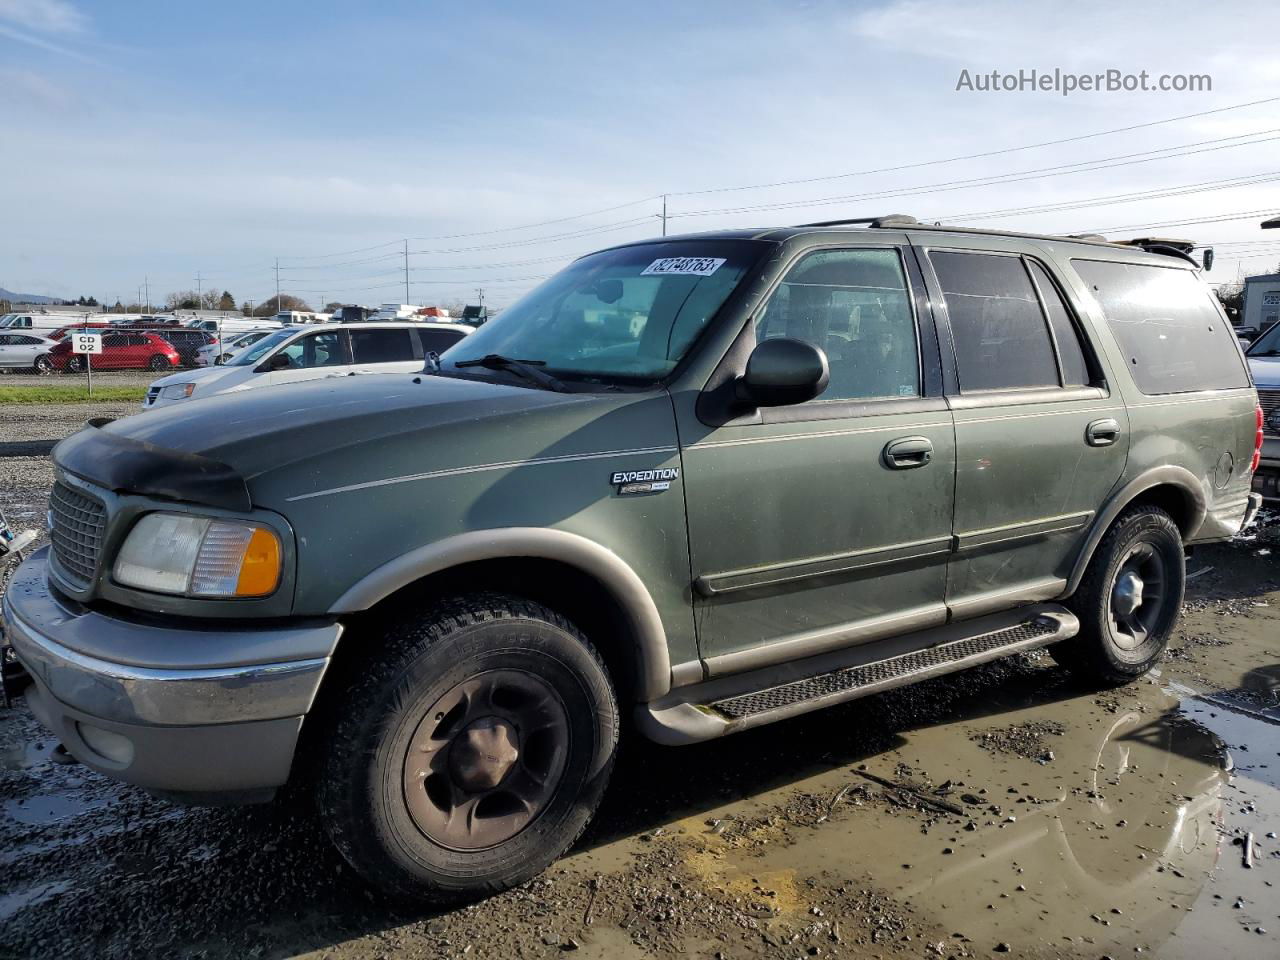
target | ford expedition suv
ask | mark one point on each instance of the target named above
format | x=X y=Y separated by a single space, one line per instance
x=705 y=482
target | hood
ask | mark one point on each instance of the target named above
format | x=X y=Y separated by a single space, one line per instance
x=205 y=375
x=306 y=437
x=1266 y=372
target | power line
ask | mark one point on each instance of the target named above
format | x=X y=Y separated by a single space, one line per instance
x=1223 y=218
x=973 y=156
x=1019 y=176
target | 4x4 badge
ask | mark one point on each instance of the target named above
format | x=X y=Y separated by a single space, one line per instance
x=644 y=481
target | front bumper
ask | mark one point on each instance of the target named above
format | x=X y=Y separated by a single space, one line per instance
x=206 y=713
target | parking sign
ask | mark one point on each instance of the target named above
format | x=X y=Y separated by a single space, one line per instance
x=85 y=342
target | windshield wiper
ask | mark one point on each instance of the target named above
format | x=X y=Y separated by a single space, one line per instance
x=525 y=368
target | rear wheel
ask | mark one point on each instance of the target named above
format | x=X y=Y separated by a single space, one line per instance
x=158 y=361
x=75 y=364
x=472 y=753
x=1129 y=600
x=43 y=365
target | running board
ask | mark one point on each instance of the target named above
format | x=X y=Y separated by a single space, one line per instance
x=715 y=708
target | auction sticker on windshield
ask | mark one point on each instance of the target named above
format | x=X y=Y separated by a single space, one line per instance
x=689 y=266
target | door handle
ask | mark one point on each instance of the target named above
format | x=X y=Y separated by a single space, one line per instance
x=906 y=453
x=1102 y=433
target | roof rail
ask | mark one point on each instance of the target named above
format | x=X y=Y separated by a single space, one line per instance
x=888 y=220
x=1168 y=246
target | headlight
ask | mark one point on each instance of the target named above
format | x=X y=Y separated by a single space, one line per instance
x=199 y=557
x=177 y=391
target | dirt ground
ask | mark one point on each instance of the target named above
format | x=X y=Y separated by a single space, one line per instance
x=1007 y=810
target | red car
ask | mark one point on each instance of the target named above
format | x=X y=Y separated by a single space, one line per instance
x=120 y=351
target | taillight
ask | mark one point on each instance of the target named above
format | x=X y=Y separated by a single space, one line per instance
x=1257 y=439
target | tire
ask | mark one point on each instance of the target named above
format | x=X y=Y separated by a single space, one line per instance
x=158 y=361
x=74 y=365
x=43 y=366
x=463 y=710
x=1116 y=644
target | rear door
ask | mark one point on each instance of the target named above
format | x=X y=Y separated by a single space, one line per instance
x=828 y=523
x=115 y=352
x=1041 y=438
x=385 y=350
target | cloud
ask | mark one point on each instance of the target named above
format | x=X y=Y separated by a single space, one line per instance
x=24 y=88
x=43 y=16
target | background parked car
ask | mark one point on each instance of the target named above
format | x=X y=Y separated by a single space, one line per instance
x=26 y=351
x=120 y=351
x=187 y=342
x=61 y=332
x=219 y=352
x=313 y=352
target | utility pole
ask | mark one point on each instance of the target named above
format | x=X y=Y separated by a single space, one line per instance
x=146 y=283
x=480 y=294
x=664 y=214
x=406 y=272
x=199 y=292
x=277 y=284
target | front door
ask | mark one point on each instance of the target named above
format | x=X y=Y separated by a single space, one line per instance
x=828 y=523
x=1040 y=439
x=315 y=356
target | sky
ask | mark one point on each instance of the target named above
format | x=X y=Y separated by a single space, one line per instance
x=157 y=141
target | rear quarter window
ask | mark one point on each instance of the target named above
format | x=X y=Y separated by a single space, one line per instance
x=1172 y=336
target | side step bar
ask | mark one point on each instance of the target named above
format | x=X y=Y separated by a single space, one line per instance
x=715 y=708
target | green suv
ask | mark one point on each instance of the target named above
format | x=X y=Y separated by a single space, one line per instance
x=686 y=487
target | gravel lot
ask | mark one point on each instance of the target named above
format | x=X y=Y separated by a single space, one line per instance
x=1005 y=810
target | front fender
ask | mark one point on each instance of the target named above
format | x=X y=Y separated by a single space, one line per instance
x=603 y=565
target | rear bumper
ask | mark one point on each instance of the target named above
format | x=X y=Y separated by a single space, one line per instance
x=1266 y=480
x=208 y=730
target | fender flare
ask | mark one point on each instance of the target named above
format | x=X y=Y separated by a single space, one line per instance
x=1168 y=475
x=598 y=562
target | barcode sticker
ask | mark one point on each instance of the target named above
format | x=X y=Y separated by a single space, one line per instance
x=688 y=266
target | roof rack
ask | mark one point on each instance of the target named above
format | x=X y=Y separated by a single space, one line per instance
x=1162 y=245
x=889 y=220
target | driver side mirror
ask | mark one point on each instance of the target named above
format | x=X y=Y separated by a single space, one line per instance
x=783 y=371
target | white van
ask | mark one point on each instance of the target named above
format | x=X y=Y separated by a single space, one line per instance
x=232 y=326
x=287 y=317
x=312 y=352
x=40 y=324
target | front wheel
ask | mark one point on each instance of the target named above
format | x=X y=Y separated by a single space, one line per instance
x=74 y=365
x=472 y=753
x=1129 y=600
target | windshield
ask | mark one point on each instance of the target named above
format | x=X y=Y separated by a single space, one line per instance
x=1267 y=345
x=630 y=313
x=261 y=348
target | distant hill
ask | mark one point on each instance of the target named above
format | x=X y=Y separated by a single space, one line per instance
x=25 y=297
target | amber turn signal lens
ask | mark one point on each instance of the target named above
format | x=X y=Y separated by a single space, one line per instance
x=260 y=568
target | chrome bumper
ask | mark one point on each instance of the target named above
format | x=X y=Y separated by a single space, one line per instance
x=179 y=710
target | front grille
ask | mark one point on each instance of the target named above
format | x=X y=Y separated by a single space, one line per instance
x=873 y=674
x=76 y=526
x=1270 y=403
x=152 y=394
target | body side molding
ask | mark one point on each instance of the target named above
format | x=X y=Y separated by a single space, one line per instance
x=535 y=542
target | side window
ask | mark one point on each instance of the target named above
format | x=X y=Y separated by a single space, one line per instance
x=27 y=341
x=317 y=350
x=1075 y=371
x=438 y=341
x=1167 y=325
x=855 y=306
x=381 y=345
x=1001 y=340
x=138 y=340
x=6 y=340
x=115 y=340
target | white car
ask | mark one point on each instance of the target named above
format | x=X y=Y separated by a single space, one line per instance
x=26 y=351
x=217 y=353
x=312 y=352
